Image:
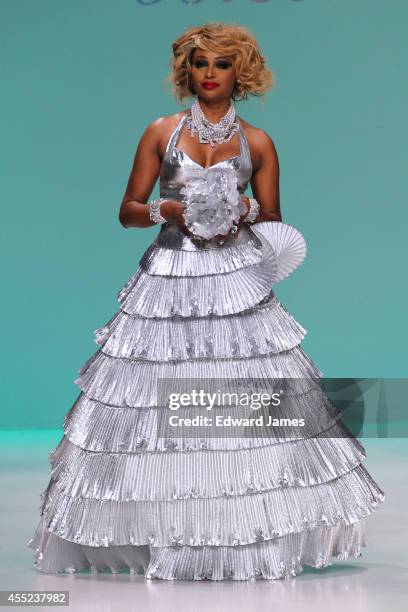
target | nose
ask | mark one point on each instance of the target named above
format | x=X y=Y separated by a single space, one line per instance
x=210 y=70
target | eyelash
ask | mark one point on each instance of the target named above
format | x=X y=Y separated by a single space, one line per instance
x=200 y=63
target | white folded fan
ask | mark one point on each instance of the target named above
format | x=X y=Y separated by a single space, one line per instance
x=288 y=244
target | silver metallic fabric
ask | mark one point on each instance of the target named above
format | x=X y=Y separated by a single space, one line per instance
x=120 y=496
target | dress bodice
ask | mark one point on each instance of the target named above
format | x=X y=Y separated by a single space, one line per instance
x=178 y=167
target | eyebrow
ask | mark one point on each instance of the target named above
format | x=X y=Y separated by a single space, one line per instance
x=217 y=57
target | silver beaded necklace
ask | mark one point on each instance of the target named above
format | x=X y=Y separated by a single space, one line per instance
x=209 y=132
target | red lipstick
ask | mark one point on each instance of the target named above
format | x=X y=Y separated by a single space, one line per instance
x=209 y=85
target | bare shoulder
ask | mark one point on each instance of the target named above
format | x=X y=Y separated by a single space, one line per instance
x=260 y=143
x=257 y=138
x=159 y=130
x=163 y=124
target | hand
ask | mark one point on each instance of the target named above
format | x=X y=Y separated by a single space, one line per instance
x=173 y=209
x=221 y=237
x=245 y=200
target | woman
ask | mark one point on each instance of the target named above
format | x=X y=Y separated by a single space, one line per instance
x=126 y=491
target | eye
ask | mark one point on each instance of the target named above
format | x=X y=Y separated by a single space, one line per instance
x=223 y=65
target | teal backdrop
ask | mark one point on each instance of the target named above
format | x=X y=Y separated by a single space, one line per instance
x=82 y=79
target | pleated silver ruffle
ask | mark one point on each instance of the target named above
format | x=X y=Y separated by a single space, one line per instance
x=165 y=261
x=149 y=295
x=270 y=559
x=228 y=520
x=182 y=475
x=277 y=558
x=132 y=382
x=263 y=329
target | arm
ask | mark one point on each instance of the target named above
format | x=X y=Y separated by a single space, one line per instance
x=265 y=178
x=134 y=211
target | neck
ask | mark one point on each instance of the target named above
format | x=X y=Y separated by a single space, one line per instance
x=214 y=111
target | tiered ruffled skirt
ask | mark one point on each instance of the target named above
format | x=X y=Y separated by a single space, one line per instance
x=120 y=496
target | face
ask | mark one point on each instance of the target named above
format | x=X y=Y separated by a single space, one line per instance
x=213 y=75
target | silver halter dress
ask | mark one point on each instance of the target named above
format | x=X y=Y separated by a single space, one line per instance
x=178 y=507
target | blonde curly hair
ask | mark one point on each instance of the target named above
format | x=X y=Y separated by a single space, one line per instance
x=253 y=76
